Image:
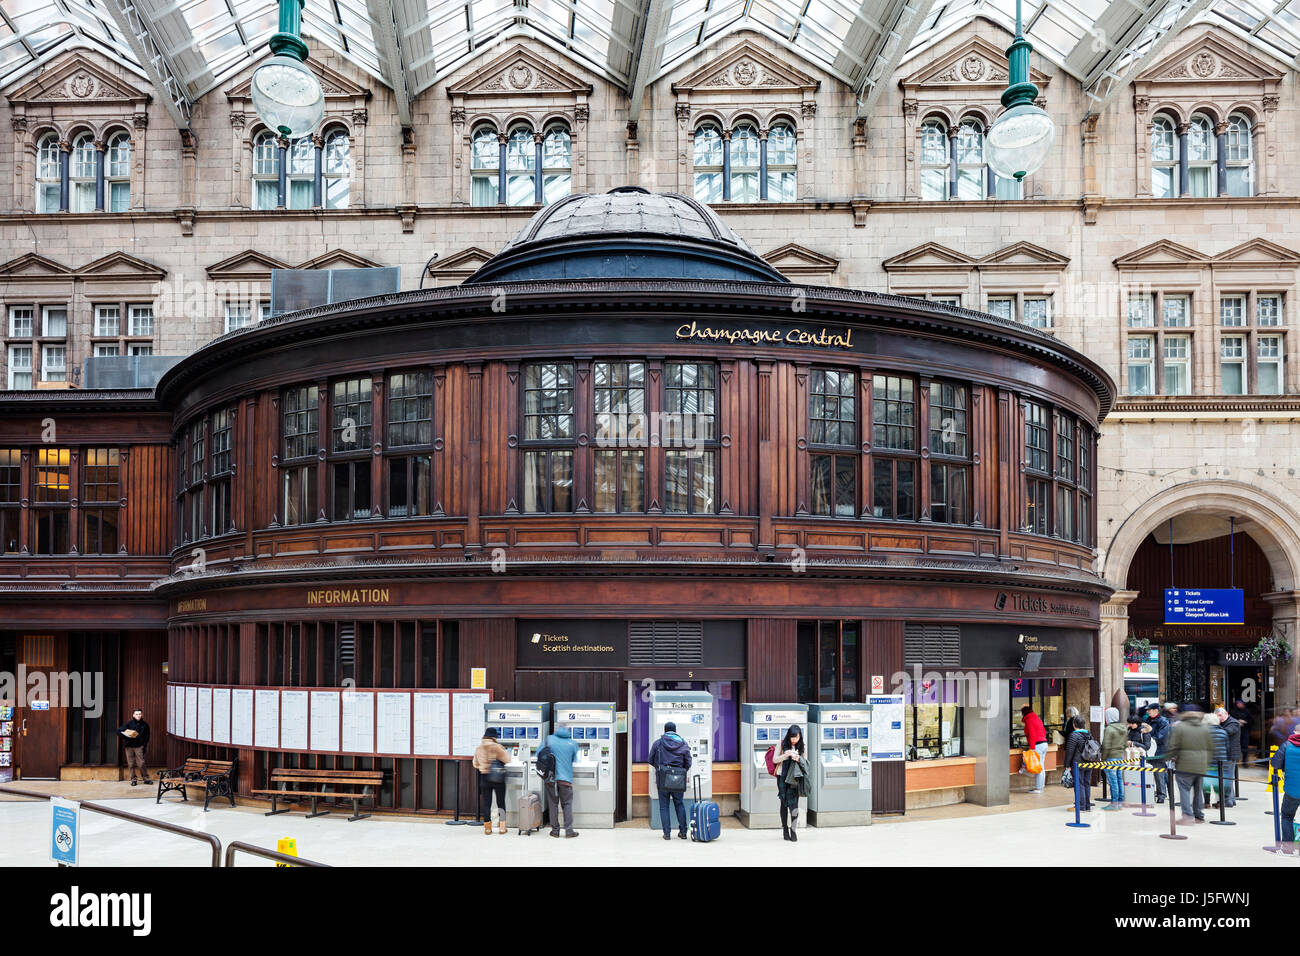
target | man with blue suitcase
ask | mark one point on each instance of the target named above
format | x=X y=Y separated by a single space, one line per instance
x=671 y=757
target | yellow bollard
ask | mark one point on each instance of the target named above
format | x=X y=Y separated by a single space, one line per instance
x=288 y=846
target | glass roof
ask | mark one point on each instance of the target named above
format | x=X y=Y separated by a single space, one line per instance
x=193 y=46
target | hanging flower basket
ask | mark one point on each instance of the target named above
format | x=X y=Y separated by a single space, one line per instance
x=1273 y=648
x=1136 y=650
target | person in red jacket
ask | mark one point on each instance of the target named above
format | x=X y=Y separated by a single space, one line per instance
x=1036 y=739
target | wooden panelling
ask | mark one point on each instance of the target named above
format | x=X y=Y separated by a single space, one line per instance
x=144 y=686
x=1211 y=563
x=770 y=666
x=147 y=486
x=882 y=655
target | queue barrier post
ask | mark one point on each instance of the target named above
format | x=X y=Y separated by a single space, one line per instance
x=1173 y=833
x=1077 y=822
x=1142 y=786
x=1223 y=820
x=1236 y=779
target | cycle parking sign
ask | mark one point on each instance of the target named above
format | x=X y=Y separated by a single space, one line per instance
x=65 y=834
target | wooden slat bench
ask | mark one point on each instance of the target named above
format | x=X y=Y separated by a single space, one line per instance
x=294 y=784
x=216 y=777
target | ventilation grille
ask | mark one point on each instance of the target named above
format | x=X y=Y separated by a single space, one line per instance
x=932 y=645
x=666 y=642
x=347 y=645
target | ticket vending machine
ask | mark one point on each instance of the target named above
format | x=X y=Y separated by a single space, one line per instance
x=521 y=729
x=840 y=737
x=692 y=712
x=592 y=726
x=763 y=726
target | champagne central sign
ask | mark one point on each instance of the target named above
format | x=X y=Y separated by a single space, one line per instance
x=821 y=338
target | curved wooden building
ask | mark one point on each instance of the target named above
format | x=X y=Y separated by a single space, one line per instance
x=626 y=428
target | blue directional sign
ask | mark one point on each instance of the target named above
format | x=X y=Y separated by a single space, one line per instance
x=1205 y=606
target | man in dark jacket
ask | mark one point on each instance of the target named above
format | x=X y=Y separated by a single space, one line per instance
x=1189 y=749
x=135 y=740
x=1160 y=734
x=1232 y=729
x=670 y=750
x=1287 y=762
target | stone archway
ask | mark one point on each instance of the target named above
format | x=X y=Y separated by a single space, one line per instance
x=1271 y=522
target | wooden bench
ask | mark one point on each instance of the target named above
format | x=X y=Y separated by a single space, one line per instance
x=293 y=784
x=216 y=777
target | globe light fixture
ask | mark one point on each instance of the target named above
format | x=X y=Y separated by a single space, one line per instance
x=287 y=95
x=1020 y=139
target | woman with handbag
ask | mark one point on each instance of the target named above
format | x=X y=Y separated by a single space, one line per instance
x=792 y=779
x=1075 y=744
x=671 y=758
x=490 y=760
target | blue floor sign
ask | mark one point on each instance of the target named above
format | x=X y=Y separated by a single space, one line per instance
x=1205 y=606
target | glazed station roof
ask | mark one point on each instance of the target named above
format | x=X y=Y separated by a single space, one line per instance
x=187 y=48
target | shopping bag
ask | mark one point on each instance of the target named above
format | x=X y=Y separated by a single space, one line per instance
x=1033 y=763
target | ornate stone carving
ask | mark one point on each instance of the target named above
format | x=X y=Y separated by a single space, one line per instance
x=746 y=73
x=360 y=117
x=808 y=108
x=909 y=109
x=581 y=113
x=973 y=68
x=140 y=120
x=520 y=76
x=82 y=85
x=1204 y=64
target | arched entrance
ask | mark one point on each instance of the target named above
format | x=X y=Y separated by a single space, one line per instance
x=1181 y=537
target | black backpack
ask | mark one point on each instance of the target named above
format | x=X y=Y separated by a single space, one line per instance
x=545 y=763
x=1091 y=751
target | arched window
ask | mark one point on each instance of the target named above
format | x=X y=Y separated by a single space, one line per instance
x=708 y=164
x=48 y=173
x=117 y=172
x=301 y=173
x=970 y=160
x=266 y=169
x=336 y=168
x=557 y=163
x=81 y=174
x=1164 y=158
x=934 y=160
x=485 y=163
x=1239 y=156
x=746 y=162
x=521 y=167
x=782 y=159
x=1202 y=157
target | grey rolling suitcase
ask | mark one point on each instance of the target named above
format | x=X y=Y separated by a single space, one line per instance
x=530 y=810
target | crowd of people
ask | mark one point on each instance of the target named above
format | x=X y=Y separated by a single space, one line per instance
x=1200 y=750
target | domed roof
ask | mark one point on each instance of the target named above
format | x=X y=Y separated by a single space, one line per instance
x=627 y=232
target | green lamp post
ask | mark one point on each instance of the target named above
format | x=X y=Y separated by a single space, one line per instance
x=1020 y=139
x=287 y=95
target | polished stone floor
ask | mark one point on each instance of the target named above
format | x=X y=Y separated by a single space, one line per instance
x=1030 y=830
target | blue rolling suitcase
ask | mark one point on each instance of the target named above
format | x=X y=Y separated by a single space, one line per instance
x=706 y=821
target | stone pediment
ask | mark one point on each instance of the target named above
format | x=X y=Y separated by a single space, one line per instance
x=339 y=259
x=1023 y=256
x=33 y=265
x=976 y=63
x=1259 y=252
x=520 y=72
x=248 y=264
x=459 y=266
x=333 y=83
x=747 y=67
x=928 y=257
x=120 y=265
x=793 y=259
x=77 y=80
x=1161 y=253
x=1210 y=58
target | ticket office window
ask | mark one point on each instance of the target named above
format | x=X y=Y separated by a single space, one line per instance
x=827 y=655
x=1047 y=698
x=932 y=719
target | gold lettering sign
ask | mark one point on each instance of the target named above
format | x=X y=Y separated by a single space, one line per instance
x=191 y=605
x=334 y=596
x=822 y=338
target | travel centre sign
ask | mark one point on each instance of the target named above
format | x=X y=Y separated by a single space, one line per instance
x=820 y=338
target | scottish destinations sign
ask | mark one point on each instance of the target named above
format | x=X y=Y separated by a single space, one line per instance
x=1205 y=606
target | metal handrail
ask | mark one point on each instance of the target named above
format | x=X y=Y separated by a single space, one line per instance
x=267 y=854
x=208 y=838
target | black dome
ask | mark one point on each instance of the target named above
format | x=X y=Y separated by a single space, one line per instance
x=626 y=233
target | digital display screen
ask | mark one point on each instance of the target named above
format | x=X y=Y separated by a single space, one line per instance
x=507 y=733
x=840 y=733
x=828 y=733
x=852 y=732
x=604 y=733
x=532 y=733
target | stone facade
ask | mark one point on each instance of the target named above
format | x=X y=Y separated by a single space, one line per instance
x=1087 y=234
